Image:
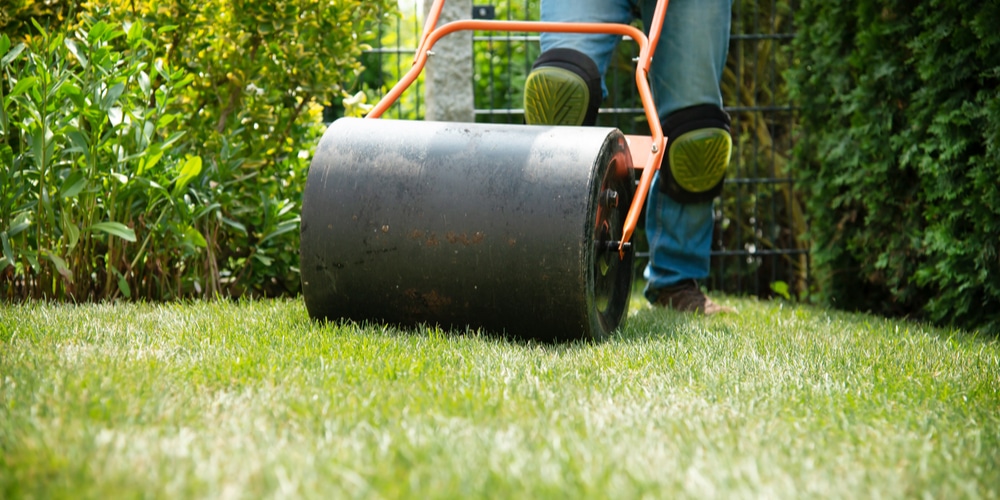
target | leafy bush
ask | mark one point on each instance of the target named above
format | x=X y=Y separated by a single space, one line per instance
x=184 y=126
x=901 y=108
x=16 y=16
x=83 y=149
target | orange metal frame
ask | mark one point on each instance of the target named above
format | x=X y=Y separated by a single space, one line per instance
x=645 y=151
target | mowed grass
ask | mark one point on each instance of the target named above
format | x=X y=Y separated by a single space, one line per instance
x=252 y=399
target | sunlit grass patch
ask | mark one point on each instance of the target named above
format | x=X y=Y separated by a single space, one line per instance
x=254 y=399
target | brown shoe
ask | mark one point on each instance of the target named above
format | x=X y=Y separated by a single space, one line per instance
x=687 y=297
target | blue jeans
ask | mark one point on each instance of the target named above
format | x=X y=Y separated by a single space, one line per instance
x=686 y=71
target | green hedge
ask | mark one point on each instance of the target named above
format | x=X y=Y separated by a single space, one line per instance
x=900 y=149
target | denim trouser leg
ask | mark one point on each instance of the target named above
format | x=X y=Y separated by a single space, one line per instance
x=686 y=70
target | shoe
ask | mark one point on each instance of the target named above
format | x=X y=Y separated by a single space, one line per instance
x=687 y=297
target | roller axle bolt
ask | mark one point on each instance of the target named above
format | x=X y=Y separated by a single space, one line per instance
x=609 y=198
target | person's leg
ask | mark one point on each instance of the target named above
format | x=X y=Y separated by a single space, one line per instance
x=680 y=240
x=691 y=55
x=566 y=84
x=685 y=75
x=598 y=47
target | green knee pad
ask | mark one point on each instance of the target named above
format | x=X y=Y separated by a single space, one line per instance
x=699 y=158
x=698 y=151
x=563 y=88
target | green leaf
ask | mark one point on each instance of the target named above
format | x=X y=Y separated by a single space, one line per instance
x=56 y=88
x=193 y=237
x=4 y=44
x=149 y=161
x=286 y=206
x=80 y=144
x=188 y=170
x=781 y=288
x=184 y=81
x=23 y=85
x=174 y=137
x=112 y=34
x=8 y=253
x=72 y=234
x=144 y=83
x=134 y=33
x=284 y=227
x=45 y=34
x=21 y=222
x=111 y=97
x=233 y=224
x=38 y=149
x=115 y=229
x=60 y=265
x=115 y=116
x=123 y=285
x=165 y=120
x=73 y=49
x=96 y=31
x=6 y=159
x=158 y=65
x=208 y=209
x=32 y=260
x=71 y=90
x=10 y=56
x=73 y=184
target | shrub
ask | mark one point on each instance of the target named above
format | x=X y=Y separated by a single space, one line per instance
x=186 y=126
x=17 y=16
x=82 y=130
x=901 y=151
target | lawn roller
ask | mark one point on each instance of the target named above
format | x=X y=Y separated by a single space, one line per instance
x=521 y=230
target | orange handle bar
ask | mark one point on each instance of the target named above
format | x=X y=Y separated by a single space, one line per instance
x=647 y=45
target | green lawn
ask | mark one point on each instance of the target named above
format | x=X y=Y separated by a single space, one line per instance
x=248 y=400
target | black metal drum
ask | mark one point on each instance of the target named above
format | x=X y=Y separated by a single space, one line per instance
x=513 y=229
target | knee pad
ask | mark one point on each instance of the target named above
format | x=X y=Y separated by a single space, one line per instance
x=697 y=156
x=563 y=88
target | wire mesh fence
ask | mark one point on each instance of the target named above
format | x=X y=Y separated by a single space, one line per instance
x=759 y=247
